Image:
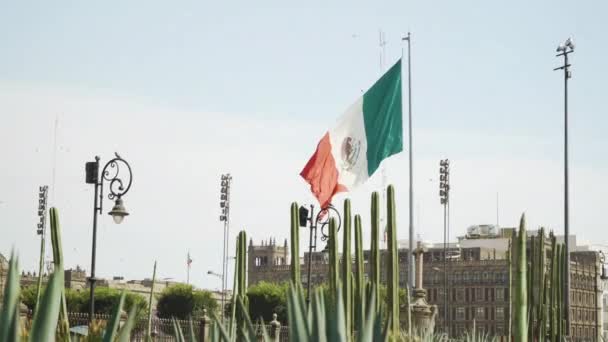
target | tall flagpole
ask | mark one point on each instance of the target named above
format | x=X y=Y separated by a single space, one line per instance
x=382 y=45
x=411 y=173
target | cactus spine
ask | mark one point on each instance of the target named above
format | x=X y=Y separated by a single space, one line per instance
x=359 y=277
x=374 y=267
x=295 y=245
x=393 y=262
x=347 y=285
x=521 y=305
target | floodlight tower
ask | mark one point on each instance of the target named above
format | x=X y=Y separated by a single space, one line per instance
x=564 y=50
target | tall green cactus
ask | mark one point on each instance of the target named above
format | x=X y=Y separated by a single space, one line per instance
x=64 y=324
x=347 y=285
x=408 y=311
x=521 y=305
x=359 y=277
x=149 y=326
x=241 y=276
x=559 y=286
x=334 y=273
x=531 y=273
x=541 y=283
x=295 y=245
x=393 y=262
x=374 y=265
x=554 y=322
x=510 y=259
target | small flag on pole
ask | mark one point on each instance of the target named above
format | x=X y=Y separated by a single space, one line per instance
x=370 y=131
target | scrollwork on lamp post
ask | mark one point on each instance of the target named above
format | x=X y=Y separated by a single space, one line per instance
x=322 y=219
x=118 y=187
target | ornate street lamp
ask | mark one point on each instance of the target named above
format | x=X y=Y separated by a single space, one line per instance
x=117 y=188
x=322 y=219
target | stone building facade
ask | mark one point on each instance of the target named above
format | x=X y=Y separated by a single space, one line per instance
x=478 y=285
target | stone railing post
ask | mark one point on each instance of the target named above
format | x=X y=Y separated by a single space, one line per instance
x=205 y=326
x=275 y=328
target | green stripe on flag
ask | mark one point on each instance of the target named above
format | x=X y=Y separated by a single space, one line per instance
x=382 y=114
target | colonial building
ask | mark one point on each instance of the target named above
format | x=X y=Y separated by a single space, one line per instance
x=477 y=287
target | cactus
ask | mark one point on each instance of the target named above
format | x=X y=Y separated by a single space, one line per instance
x=359 y=278
x=295 y=244
x=521 y=305
x=240 y=297
x=347 y=285
x=510 y=264
x=393 y=263
x=64 y=324
x=553 y=322
x=542 y=286
x=374 y=266
x=149 y=326
x=334 y=275
x=531 y=287
x=559 y=286
x=408 y=311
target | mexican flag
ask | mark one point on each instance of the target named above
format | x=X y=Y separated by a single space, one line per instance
x=368 y=132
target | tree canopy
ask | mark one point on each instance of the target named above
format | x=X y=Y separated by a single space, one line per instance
x=182 y=301
x=78 y=301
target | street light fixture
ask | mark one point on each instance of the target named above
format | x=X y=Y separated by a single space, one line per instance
x=117 y=187
x=564 y=50
x=322 y=219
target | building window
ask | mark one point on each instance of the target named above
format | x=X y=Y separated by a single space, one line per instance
x=500 y=314
x=459 y=313
x=480 y=313
x=478 y=294
x=460 y=297
x=500 y=295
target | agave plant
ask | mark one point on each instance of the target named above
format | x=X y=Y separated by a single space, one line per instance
x=44 y=326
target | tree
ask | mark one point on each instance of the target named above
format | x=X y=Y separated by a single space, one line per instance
x=266 y=298
x=182 y=301
x=176 y=301
x=203 y=299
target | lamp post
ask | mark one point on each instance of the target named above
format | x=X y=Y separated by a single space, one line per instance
x=564 y=50
x=322 y=218
x=117 y=188
x=410 y=273
x=226 y=182
x=42 y=199
x=444 y=195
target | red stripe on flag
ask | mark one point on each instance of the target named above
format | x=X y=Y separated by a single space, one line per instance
x=322 y=174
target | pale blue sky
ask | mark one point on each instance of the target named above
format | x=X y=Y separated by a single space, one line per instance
x=269 y=78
